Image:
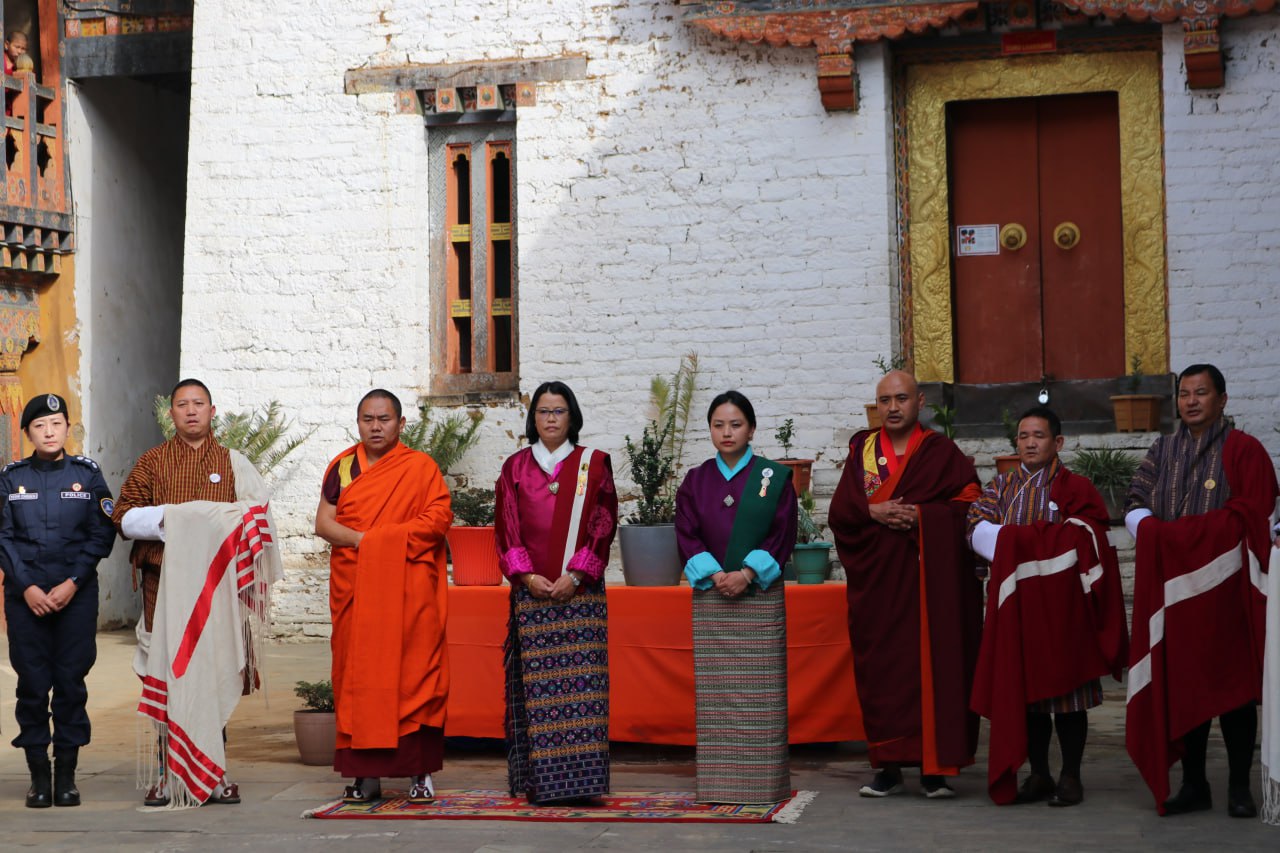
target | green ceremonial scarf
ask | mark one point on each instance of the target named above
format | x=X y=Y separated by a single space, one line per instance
x=755 y=512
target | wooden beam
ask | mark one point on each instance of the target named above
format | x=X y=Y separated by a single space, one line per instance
x=395 y=78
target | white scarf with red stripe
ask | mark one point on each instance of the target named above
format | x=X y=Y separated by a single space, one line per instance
x=220 y=560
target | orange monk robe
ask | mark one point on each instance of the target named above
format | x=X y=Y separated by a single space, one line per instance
x=388 y=601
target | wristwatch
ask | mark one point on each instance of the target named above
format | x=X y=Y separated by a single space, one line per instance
x=574 y=579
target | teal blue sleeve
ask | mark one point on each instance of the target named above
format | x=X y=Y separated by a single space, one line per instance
x=765 y=567
x=700 y=568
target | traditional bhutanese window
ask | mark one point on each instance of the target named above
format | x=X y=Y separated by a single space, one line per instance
x=473 y=259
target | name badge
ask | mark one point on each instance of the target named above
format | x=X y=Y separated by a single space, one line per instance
x=79 y=496
x=24 y=496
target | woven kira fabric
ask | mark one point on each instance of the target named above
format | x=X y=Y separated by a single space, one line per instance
x=740 y=673
x=557 y=686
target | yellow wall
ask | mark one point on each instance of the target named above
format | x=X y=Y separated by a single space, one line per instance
x=53 y=365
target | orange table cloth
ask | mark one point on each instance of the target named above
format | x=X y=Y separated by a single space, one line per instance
x=651 y=692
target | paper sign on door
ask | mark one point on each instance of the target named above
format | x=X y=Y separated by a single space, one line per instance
x=977 y=239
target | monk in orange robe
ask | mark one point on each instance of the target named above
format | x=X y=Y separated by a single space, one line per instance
x=385 y=510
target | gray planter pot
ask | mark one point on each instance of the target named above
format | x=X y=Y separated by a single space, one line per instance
x=649 y=555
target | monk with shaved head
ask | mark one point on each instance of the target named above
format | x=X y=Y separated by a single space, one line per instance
x=915 y=604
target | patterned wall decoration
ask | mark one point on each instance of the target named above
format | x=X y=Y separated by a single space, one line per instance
x=19 y=329
x=831 y=31
x=833 y=26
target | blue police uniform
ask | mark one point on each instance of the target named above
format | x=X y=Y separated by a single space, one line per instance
x=55 y=525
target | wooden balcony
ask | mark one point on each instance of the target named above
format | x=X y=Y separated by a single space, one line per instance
x=35 y=208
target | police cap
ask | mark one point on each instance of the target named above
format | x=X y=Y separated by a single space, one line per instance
x=41 y=405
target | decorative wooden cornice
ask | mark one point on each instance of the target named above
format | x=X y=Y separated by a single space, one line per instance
x=831 y=30
x=832 y=27
x=1200 y=20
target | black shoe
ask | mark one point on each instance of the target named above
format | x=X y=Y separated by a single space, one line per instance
x=40 y=794
x=1034 y=788
x=1068 y=793
x=1190 y=798
x=936 y=788
x=886 y=784
x=65 y=792
x=1240 y=802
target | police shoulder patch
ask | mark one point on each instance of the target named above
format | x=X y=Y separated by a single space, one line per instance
x=18 y=463
x=87 y=461
x=108 y=507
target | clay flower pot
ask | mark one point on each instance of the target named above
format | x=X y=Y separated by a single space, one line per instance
x=317 y=734
x=1137 y=412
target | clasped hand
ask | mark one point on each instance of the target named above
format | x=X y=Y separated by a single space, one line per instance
x=43 y=603
x=560 y=591
x=895 y=514
x=731 y=584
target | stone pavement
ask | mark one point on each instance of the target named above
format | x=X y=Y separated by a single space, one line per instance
x=1116 y=815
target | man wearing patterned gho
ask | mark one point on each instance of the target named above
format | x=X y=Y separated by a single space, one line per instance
x=385 y=510
x=1055 y=615
x=915 y=604
x=1201 y=508
x=206 y=554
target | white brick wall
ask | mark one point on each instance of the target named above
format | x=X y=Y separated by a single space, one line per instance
x=1221 y=179
x=688 y=194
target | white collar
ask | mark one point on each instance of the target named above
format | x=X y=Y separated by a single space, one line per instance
x=548 y=460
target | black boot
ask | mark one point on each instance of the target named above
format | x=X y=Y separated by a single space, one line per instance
x=65 y=792
x=40 y=794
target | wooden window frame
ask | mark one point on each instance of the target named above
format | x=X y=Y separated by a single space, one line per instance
x=470 y=318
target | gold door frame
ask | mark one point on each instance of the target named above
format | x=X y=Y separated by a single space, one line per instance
x=1135 y=77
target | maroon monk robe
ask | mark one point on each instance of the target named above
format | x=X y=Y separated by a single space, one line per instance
x=915 y=697
x=1199 y=614
x=1047 y=632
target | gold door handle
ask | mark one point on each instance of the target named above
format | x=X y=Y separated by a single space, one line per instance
x=1067 y=235
x=1013 y=236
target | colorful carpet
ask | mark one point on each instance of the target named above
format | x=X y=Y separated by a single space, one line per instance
x=620 y=806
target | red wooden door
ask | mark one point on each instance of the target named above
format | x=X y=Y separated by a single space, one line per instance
x=1046 y=164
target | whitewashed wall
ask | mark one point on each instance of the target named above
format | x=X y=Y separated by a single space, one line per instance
x=1221 y=178
x=127 y=144
x=689 y=194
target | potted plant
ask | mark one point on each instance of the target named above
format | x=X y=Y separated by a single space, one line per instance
x=1008 y=461
x=1111 y=471
x=1136 y=412
x=884 y=365
x=801 y=469
x=314 y=726
x=812 y=556
x=472 y=544
x=650 y=556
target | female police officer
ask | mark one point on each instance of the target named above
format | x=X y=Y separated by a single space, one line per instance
x=55 y=525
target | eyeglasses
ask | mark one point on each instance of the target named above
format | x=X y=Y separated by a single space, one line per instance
x=547 y=413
